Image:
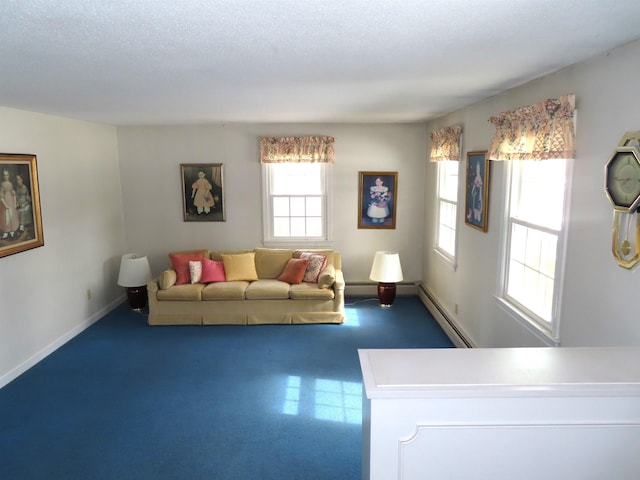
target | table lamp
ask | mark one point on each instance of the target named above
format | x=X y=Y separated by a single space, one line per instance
x=386 y=270
x=134 y=274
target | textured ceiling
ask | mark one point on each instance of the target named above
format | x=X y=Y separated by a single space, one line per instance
x=132 y=62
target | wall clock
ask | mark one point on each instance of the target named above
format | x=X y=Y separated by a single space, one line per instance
x=623 y=179
x=622 y=185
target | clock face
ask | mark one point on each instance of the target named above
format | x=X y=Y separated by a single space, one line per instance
x=623 y=179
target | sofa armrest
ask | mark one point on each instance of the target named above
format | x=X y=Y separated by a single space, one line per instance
x=339 y=283
x=153 y=286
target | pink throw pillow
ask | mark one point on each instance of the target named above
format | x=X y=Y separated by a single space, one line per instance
x=294 y=270
x=180 y=263
x=212 y=271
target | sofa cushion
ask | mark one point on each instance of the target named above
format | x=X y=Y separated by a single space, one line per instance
x=180 y=263
x=167 y=279
x=240 y=267
x=233 y=290
x=310 y=291
x=212 y=271
x=270 y=262
x=182 y=292
x=267 y=289
x=327 y=277
x=317 y=261
x=294 y=271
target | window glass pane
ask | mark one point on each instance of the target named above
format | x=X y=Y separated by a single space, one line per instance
x=281 y=206
x=447 y=231
x=448 y=171
x=296 y=179
x=281 y=227
x=539 y=191
x=314 y=206
x=297 y=206
x=314 y=227
x=298 y=227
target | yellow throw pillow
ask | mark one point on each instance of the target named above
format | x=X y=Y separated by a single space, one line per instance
x=327 y=277
x=167 y=279
x=240 y=267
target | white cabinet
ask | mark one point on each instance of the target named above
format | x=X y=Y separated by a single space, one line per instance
x=525 y=413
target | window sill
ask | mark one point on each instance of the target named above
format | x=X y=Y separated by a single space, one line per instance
x=302 y=242
x=543 y=334
x=446 y=258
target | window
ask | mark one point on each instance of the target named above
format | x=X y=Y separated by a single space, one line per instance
x=295 y=203
x=447 y=208
x=534 y=234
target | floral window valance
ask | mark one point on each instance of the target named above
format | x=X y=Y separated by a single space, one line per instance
x=536 y=132
x=445 y=144
x=297 y=150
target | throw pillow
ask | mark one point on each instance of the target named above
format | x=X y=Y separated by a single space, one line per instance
x=240 y=267
x=180 y=263
x=294 y=270
x=317 y=262
x=195 y=270
x=327 y=277
x=212 y=271
x=167 y=279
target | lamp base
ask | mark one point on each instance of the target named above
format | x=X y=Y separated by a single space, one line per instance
x=386 y=294
x=137 y=297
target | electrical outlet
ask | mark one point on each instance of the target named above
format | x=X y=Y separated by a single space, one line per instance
x=88 y=294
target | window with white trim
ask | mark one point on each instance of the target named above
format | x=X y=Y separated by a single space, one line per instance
x=447 y=208
x=295 y=205
x=534 y=238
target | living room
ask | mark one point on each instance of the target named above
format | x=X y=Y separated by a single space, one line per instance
x=108 y=190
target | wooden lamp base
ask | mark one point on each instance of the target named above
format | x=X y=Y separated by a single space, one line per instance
x=386 y=294
x=137 y=297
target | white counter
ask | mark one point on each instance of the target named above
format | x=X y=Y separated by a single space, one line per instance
x=523 y=413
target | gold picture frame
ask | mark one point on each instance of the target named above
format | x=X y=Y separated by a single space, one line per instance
x=377 y=194
x=202 y=192
x=20 y=217
x=476 y=210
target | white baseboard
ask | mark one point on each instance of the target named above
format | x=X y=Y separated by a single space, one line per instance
x=450 y=326
x=60 y=341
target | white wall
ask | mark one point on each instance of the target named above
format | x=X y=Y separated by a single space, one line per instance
x=150 y=159
x=599 y=302
x=43 y=291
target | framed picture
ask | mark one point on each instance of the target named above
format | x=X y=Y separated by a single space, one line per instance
x=477 y=189
x=20 y=220
x=202 y=192
x=377 y=199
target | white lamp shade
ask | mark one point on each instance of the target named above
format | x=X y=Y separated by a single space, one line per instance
x=134 y=270
x=386 y=267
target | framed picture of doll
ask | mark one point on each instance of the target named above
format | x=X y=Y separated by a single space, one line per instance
x=20 y=220
x=377 y=199
x=202 y=192
x=477 y=190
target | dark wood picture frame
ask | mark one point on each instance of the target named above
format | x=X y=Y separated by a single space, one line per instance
x=203 y=192
x=20 y=217
x=476 y=210
x=377 y=193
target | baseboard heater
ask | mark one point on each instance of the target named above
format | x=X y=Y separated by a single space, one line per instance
x=442 y=317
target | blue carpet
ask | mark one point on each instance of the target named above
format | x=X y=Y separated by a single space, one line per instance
x=126 y=401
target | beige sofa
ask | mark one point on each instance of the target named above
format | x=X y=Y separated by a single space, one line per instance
x=262 y=300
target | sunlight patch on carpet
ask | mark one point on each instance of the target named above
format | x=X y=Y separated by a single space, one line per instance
x=323 y=399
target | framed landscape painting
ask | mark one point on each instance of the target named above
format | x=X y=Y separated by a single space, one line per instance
x=202 y=192
x=20 y=220
x=477 y=190
x=377 y=199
